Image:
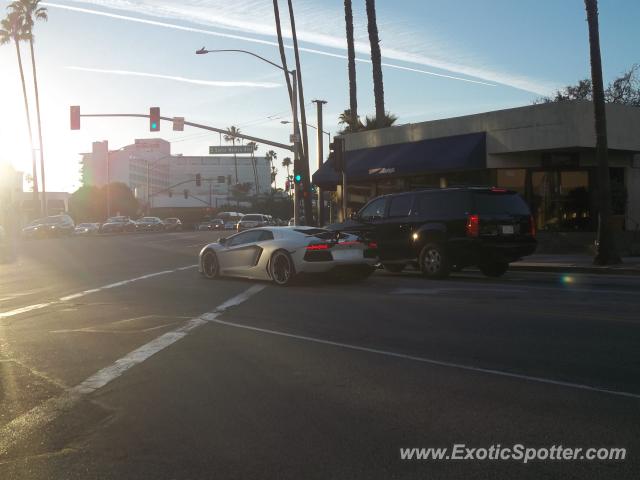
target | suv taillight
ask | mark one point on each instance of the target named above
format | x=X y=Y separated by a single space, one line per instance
x=532 y=226
x=473 y=225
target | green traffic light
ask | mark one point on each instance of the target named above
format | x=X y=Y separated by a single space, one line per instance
x=298 y=177
x=154 y=125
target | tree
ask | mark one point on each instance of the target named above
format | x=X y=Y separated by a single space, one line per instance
x=123 y=201
x=286 y=163
x=274 y=174
x=624 y=90
x=254 y=146
x=30 y=11
x=351 y=60
x=351 y=122
x=607 y=253
x=11 y=30
x=271 y=156
x=88 y=204
x=304 y=167
x=372 y=123
x=376 y=61
x=230 y=136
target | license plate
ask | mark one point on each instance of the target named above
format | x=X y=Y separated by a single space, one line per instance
x=507 y=229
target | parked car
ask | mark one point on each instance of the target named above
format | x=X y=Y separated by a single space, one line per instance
x=215 y=224
x=253 y=220
x=87 y=229
x=441 y=230
x=230 y=219
x=172 y=224
x=149 y=224
x=52 y=226
x=118 y=225
x=281 y=253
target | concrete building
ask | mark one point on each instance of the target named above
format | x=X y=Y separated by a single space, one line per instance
x=164 y=180
x=546 y=152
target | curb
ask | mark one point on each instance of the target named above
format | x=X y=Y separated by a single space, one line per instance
x=575 y=269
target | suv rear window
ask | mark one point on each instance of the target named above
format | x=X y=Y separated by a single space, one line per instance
x=500 y=203
x=442 y=204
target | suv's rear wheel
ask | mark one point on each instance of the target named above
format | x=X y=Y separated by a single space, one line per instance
x=433 y=261
x=494 y=269
x=394 y=267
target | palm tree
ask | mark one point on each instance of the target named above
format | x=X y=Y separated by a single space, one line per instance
x=351 y=123
x=271 y=156
x=376 y=60
x=372 y=123
x=274 y=173
x=254 y=146
x=607 y=253
x=304 y=167
x=286 y=163
x=351 y=56
x=11 y=30
x=230 y=136
x=30 y=11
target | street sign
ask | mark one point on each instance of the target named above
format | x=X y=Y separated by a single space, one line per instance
x=178 y=124
x=226 y=150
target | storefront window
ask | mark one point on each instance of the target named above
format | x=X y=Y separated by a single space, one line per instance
x=512 y=179
x=560 y=200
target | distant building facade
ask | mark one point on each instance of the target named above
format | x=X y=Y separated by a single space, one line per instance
x=165 y=180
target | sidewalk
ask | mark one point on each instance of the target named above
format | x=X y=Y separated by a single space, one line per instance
x=575 y=264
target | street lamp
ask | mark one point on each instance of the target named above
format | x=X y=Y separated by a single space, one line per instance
x=294 y=111
x=285 y=122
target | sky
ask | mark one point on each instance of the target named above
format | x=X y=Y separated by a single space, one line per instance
x=441 y=58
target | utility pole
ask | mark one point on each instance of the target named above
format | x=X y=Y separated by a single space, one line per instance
x=320 y=150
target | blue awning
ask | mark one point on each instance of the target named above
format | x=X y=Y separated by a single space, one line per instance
x=459 y=152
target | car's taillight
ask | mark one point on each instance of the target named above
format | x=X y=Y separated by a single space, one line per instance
x=373 y=245
x=473 y=225
x=318 y=246
x=532 y=226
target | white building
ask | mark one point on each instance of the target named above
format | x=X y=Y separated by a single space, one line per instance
x=166 y=180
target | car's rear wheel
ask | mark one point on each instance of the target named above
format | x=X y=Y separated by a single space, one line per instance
x=394 y=267
x=210 y=265
x=281 y=268
x=494 y=269
x=433 y=261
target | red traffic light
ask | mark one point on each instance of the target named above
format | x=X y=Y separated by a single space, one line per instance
x=75 y=117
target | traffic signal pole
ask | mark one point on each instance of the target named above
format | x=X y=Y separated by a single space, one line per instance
x=320 y=150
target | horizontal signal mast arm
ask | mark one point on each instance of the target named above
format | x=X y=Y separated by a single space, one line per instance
x=197 y=125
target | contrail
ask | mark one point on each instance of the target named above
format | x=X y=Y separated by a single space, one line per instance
x=256 y=40
x=210 y=83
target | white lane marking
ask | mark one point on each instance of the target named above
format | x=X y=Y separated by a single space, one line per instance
x=438 y=291
x=19 y=428
x=26 y=309
x=74 y=296
x=430 y=361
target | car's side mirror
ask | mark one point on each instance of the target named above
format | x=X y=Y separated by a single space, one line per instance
x=354 y=216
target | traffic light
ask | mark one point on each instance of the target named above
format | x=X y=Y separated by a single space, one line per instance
x=336 y=152
x=75 y=117
x=154 y=119
x=286 y=185
x=198 y=180
x=297 y=178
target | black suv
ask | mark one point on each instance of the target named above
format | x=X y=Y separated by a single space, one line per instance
x=443 y=230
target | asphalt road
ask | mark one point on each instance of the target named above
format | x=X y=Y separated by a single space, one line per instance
x=117 y=361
